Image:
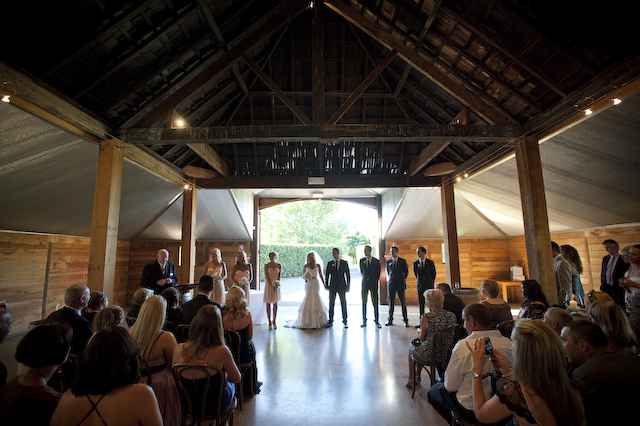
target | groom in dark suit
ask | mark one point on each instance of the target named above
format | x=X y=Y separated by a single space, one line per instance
x=425 y=271
x=338 y=282
x=370 y=270
x=397 y=272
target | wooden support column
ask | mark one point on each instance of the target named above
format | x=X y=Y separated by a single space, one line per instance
x=255 y=246
x=189 y=210
x=105 y=218
x=450 y=235
x=534 y=211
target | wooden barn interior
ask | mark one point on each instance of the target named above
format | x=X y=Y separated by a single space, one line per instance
x=480 y=129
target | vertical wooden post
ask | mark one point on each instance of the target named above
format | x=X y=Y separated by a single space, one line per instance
x=534 y=211
x=105 y=218
x=189 y=211
x=382 y=287
x=450 y=233
x=317 y=60
x=255 y=246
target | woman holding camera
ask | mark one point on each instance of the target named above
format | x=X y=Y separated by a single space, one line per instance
x=527 y=391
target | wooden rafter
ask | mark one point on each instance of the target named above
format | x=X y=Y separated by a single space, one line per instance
x=426 y=155
x=160 y=108
x=456 y=89
x=211 y=156
x=401 y=133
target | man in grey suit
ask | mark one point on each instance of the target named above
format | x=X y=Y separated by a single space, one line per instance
x=370 y=270
x=338 y=283
x=397 y=272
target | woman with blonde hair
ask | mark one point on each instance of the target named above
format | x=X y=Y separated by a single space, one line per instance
x=216 y=269
x=433 y=321
x=616 y=326
x=156 y=354
x=242 y=274
x=573 y=257
x=236 y=317
x=206 y=347
x=540 y=392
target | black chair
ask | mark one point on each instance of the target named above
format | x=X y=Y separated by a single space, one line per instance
x=65 y=375
x=443 y=342
x=202 y=392
x=233 y=342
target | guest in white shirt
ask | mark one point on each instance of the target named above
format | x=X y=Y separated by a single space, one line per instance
x=457 y=391
x=564 y=275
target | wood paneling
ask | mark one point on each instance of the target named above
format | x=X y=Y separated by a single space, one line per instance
x=23 y=258
x=480 y=259
x=589 y=245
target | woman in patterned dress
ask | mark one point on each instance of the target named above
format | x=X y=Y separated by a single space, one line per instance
x=272 y=274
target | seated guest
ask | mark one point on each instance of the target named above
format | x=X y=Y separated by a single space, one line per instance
x=236 y=317
x=27 y=400
x=557 y=319
x=535 y=302
x=456 y=392
x=631 y=280
x=139 y=296
x=160 y=274
x=97 y=302
x=174 y=312
x=191 y=308
x=156 y=353
x=206 y=347
x=596 y=296
x=499 y=310
x=615 y=325
x=76 y=298
x=537 y=390
x=108 y=389
x=433 y=321
x=452 y=303
x=109 y=317
x=607 y=381
x=5 y=328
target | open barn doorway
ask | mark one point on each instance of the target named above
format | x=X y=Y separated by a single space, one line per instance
x=292 y=229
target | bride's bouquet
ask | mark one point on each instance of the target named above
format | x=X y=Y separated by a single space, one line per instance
x=276 y=284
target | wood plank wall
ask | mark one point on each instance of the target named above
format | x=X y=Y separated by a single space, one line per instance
x=589 y=245
x=144 y=251
x=23 y=257
x=480 y=259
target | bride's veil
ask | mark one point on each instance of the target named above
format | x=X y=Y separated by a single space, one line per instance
x=318 y=259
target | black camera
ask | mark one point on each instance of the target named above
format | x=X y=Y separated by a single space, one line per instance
x=488 y=346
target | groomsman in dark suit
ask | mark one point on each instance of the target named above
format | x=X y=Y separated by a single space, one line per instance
x=370 y=270
x=338 y=283
x=613 y=269
x=425 y=272
x=397 y=272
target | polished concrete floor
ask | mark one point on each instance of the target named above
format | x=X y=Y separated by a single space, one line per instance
x=336 y=376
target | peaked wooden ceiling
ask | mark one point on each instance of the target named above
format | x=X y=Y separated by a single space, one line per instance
x=279 y=88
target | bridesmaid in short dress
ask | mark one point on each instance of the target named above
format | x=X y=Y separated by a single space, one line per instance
x=272 y=273
x=216 y=269
x=242 y=274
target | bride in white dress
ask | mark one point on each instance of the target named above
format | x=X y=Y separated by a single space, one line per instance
x=312 y=312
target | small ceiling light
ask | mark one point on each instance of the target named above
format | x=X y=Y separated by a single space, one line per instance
x=466 y=175
x=588 y=111
x=458 y=179
x=187 y=187
x=179 y=123
x=616 y=101
x=311 y=5
x=6 y=99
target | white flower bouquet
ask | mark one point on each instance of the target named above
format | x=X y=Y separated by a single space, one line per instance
x=276 y=284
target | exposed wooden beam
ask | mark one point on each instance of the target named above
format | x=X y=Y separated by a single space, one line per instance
x=362 y=87
x=332 y=181
x=425 y=30
x=189 y=209
x=456 y=89
x=318 y=64
x=488 y=40
x=148 y=160
x=430 y=152
x=105 y=218
x=211 y=20
x=450 y=229
x=211 y=156
x=35 y=98
x=536 y=219
x=199 y=172
x=284 y=13
x=271 y=84
x=302 y=133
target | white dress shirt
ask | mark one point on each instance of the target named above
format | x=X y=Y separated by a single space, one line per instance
x=459 y=375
